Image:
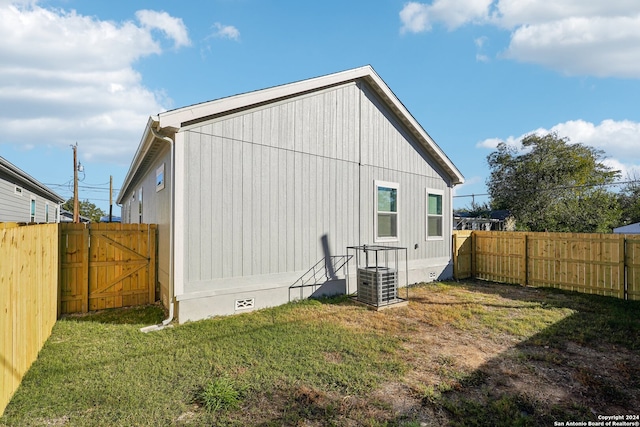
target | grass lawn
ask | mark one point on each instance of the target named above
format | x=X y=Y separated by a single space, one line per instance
x=469 y=353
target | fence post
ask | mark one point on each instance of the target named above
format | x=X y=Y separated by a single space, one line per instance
x=86 y=239
x=61 y=247
x=525 y=259
x=473 y=254
x=152 y=236
x=625 y=279
x=454 y=247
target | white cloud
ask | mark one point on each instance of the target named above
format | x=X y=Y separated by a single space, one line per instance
x=596 y=46
x=620 y=140
x=174 y=28
x=414 y=17
x=571 y=36
x=226 y=31
x=418 y=17
x=514 y=13
x=480 y=42
x=66 y=77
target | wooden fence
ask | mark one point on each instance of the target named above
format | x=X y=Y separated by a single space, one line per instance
x=28 y=295
x=603 y=264
x=52 y=269
x=106 y=266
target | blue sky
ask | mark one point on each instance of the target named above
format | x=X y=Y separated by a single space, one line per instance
x=472 y=72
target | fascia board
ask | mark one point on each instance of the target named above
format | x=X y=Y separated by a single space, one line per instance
x=28 y=181
x=143 y=148
x=176 y=118
x=392 y=100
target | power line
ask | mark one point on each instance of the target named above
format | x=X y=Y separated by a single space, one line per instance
x=567 y=187
x=85 y=187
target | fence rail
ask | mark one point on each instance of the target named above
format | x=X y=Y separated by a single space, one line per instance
x=603 y=264
x=28 y=295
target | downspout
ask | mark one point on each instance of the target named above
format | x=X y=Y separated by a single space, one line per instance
x=172 y=298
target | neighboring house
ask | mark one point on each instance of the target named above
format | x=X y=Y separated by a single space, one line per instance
x=252 y=190
x=495 y=220
x=24 y=199
x=114 y=218
x=628 y=229
x=66 y=216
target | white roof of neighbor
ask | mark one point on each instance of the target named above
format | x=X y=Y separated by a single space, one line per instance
x=628 y=229
x=175 y=119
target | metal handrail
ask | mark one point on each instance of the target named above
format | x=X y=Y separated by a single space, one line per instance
x=310 y=278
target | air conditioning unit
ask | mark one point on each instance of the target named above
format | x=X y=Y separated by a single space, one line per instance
x=377 y=285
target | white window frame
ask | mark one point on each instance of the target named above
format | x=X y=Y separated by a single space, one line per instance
x=426 y=219
x=17 y=190
x=376 y=186
x=33 y=209
x=46 y=212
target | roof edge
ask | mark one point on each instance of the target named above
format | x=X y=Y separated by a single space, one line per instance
x=143 y=147
x=21 y=175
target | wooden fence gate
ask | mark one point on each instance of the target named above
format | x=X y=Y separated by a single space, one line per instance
x=106 y=265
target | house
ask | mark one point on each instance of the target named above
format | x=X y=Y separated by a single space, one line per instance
x=66 y=216
x=489 y=220
x=105 y=218
x=250 y=191
x=628 y=229
x=24 y=199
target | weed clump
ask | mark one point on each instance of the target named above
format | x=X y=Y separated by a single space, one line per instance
x=221 y=394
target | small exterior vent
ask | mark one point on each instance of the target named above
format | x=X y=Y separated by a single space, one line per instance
x=243 y=304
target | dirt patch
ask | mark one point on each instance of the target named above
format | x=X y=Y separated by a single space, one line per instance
x=463 y=356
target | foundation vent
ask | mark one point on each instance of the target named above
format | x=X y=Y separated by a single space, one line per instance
x=243 y=304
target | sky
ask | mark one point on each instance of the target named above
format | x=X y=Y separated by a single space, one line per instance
x=472 y=72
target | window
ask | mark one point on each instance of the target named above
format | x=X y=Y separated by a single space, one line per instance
x=17 y=190
x=140 y=206
x=386 y=217
x=434 y=214
x=46 y=212
x=160 y=178
x=32 y=217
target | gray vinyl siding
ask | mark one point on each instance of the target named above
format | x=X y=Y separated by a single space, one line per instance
x=271 y=217
x=156 y=209
x=412 y=211
x=390 y=154
x=17 y=208
x=263 y=186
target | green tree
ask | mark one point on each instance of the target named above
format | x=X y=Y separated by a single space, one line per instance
x=87 y=209
x=629 y=199
x=549 y=184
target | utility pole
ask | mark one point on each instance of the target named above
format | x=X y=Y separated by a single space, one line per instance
x=76 y=209
x=110 y=198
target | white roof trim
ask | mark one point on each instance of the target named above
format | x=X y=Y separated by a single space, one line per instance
x=175 y=118
x=29 y=182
